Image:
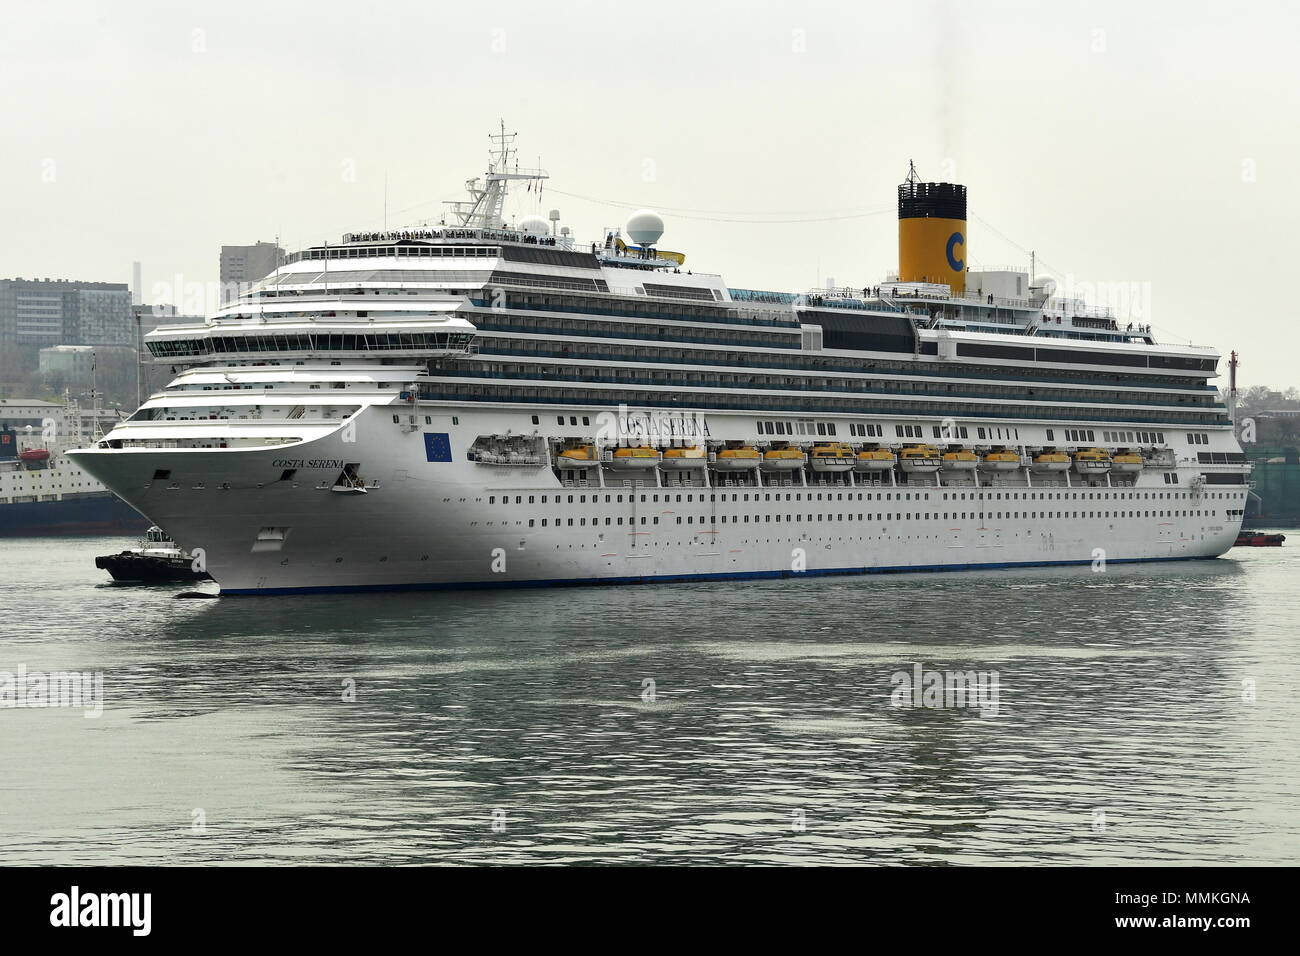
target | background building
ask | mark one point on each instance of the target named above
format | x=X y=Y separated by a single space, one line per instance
x=36 y=313
x=76 y=369
x=241 y=266
x=40 y=313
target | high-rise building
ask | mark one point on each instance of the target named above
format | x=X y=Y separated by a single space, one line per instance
x=241 y=266
x=35 y=314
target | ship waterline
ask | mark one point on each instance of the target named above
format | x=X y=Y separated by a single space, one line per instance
x=486 y=404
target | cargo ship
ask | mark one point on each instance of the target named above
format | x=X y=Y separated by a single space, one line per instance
x=42 y=491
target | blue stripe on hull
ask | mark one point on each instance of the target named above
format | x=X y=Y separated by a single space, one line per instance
x=680 y=578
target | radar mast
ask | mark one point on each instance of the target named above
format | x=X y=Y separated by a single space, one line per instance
x=483 y=209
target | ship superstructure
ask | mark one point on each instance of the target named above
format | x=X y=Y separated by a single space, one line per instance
x=485 y=403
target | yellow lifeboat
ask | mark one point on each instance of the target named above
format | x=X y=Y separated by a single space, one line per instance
x=580 y=456
x=875 y=459
x=963 y=459
x=1000 y=460
x=921 y=459
x=832 y=456
x=1091 y=461
x=1125 y=462
x=634 y=458
x=784 y=458
x=1049 y=460
x=739 y=458
x=692 y=456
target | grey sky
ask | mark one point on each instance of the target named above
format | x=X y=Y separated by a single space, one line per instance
x=1149 y=143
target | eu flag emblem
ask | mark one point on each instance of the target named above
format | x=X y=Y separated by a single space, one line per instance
x=437 y=446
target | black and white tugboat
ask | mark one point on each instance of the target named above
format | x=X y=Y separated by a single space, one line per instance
x=157 y=560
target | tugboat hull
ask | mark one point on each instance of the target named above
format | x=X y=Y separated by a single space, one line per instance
x=148 y=569
x=141 y=569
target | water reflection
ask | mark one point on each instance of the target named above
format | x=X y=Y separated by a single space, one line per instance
x=737 y=722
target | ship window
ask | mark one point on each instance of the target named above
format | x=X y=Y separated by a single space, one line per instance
x=162 y=474
x=535 y=422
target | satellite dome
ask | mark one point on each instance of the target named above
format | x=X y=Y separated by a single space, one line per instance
x=1045 y=284
x=534 y=226
x=645 y=226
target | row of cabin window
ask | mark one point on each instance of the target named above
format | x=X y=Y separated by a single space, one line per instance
x=796 y=428
x=867 y=496
x=882 y=516
x=1129 y=438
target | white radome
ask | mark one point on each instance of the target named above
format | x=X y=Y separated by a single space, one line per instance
x=534 y=226
x=645 y=226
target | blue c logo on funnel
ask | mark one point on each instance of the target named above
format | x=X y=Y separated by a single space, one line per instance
x=956 y=239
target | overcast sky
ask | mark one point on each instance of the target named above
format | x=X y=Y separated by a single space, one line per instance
x=1146 y=151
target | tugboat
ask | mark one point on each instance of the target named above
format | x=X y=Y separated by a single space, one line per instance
x=157 y=560
x=1258 y=539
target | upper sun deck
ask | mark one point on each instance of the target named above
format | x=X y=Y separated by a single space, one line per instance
x=330 y=326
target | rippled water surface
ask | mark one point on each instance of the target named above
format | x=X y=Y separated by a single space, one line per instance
x=1147 y=714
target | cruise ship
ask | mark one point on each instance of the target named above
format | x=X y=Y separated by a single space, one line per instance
x=482 y=402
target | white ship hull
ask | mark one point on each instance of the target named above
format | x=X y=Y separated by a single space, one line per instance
x=458 y=523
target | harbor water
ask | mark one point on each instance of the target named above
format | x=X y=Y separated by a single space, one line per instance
x=1131 y=714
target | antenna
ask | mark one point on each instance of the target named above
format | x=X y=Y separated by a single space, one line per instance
x=1232 y=386
x=483 y=209
x=912 y=175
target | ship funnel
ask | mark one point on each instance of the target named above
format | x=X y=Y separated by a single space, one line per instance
x=932 y=232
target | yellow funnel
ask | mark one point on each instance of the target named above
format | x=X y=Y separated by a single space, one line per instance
x=932 y=233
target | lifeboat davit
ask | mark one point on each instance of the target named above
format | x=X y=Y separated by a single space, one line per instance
x=832 y=457
x=692 y=456
x=961 y=460
x=1000 y=460
x=782 y=459
x=921 y=459
x=581 y=456
x=635 y=458
x=876 y=459
x=1091 y=461
x=743 y=458
x=1126 y=463
x=1050 y=461
x=34 y=454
